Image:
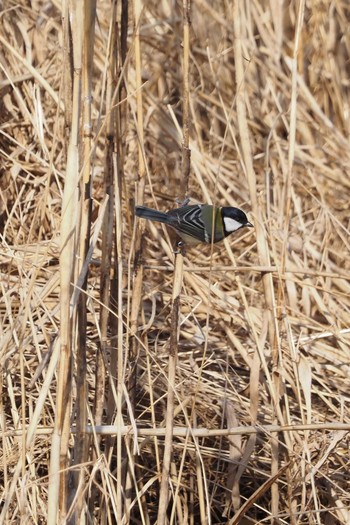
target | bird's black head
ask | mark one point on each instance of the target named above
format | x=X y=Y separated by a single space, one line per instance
x=234 y=219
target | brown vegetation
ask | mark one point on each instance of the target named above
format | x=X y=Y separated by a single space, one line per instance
x=234 y=359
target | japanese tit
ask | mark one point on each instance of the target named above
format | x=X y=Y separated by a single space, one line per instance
x=194 y=223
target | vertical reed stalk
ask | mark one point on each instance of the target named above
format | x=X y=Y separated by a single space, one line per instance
x=138 y=269
x=262 y=246
x=57 y=497
x=177 y=284
x=82 y=439
x=116 y=145
x=109 y=221
x=169 y=417
x=139 y=192
x=120 y=353
x=286 y=202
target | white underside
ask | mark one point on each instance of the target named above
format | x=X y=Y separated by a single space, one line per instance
x=231 y=225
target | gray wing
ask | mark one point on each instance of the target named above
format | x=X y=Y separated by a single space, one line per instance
x=188 y=220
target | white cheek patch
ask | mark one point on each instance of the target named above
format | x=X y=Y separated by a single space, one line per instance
x=231 y=225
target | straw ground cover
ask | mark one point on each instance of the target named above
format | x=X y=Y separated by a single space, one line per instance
x=139 y=386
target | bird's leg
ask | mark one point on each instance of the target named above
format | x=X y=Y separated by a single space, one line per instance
x=183 y=202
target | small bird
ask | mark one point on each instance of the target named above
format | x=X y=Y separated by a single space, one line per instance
x=194 y=223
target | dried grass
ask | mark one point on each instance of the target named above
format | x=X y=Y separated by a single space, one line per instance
x=253 y=404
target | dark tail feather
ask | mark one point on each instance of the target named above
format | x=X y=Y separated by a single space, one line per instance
x=150 y=214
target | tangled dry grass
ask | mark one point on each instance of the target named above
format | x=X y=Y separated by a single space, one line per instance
x=244 y=381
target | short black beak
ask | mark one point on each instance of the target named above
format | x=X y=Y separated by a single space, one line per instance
x=249 y=225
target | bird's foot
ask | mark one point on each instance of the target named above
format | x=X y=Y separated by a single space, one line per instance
x=180 y=248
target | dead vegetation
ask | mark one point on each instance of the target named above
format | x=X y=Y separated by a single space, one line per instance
x=246 y=377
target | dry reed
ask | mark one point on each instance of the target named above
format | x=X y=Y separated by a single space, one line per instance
x=140 y=387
